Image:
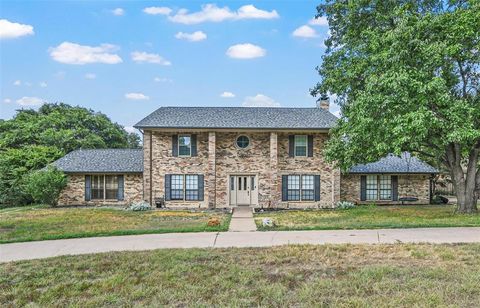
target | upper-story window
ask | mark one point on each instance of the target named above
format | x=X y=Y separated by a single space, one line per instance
x=300 y=145
x=243 y=142
x=184 y=145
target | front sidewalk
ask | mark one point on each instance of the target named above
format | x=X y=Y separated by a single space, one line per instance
x=46 y=249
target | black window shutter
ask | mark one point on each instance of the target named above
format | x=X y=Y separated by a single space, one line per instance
x=310 y=145
x=284 y=187
x=168 y=185
x=174 y=145
x=291 y=145
x=121 y=189
x=394 y=187
x=193 y=141
x=201 y=187
x=317 y=188
x=88 y=186
x=363 y=188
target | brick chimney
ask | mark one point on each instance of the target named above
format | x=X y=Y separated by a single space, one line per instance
x=323 y=102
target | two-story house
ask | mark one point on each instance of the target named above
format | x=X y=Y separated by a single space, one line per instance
x=199 y=157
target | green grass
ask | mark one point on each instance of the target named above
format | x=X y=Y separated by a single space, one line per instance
x=41 y=223
x=401 y=275
x=369 y=217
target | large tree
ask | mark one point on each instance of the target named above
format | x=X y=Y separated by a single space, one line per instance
x=32 y=139
x=407 y=75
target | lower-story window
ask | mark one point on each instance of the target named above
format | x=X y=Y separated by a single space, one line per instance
x=301 y=187
x=103 y=187
x=379 y=187
x=187 y=187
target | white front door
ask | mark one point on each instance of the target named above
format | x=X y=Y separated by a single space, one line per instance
x=242 y=189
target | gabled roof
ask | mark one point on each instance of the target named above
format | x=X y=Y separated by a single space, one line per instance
x=395 y=164
x=102 y=161
x=239 y=118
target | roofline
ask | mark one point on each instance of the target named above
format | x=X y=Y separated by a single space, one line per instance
x=101 y=172
x=233 y=128
x=390 y=172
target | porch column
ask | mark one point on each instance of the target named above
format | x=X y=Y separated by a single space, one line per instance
x=147 y=167
x=274 y=187
x=211 y=171
x=336 y=178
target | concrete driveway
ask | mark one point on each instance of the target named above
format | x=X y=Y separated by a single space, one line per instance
x=46 y=249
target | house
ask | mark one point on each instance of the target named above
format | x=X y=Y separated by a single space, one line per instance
x=199 y=157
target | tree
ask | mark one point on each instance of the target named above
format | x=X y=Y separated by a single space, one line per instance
x=46 y=185
x=407 y=75
x=33 y=139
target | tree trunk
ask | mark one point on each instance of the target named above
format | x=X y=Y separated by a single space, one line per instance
x=465 y=183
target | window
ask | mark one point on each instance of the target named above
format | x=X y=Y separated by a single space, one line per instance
x=300 y=145
x=176 y=190
x=301 y=187
x=184 y=145
x=243 y=142
x=97 y=186
x=191 y=187
x=379 y=187
x=185 y=187
x=104 y=187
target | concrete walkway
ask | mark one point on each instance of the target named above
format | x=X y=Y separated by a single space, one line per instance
x=242 y=220
x=45 y=249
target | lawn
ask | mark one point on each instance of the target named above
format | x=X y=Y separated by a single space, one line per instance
x=369 y=217
x=41 y=223
x=401 y=275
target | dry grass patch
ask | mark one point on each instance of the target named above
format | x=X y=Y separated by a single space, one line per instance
x=307 y=276
x=40 y=223
x=369 y=217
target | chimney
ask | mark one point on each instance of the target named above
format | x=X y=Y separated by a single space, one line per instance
x=323 y=102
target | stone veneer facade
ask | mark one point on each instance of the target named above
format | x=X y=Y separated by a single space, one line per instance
x=416 y=185
x=218 y=157
x=74 y=193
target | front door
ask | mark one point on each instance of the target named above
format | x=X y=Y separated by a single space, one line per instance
x=242 y=189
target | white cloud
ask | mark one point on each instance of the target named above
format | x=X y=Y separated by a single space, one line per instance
x=141 y=57
x=245 y=51
x=136 y=96
x=17 y=82
x=227 y=94
x=43 y=84
x=192 y=37
x=321 y=21
x=130 y=129
x=72 y=53
x=10 y=29
x=213 y=13
x=162 y=79
x=305 y=32
x=260 y=100
x=30 y=101
x=7 y=100
x=118 y=11
x=90 y=76
x=157 y=10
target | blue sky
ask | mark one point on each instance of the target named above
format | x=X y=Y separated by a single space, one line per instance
x=128 y=58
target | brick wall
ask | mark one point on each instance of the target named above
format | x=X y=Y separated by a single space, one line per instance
x=74 y=192
x=415 y=185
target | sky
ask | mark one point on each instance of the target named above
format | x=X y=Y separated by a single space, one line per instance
x=128 y=58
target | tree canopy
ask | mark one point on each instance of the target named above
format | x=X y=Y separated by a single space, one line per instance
x=406 y=74
x=32 y=139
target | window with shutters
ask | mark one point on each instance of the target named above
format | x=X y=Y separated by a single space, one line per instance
x=379 y=187
x=104 y=187
x=301 y=187
x=184 y=145
x=185 y=187
x=301 y=145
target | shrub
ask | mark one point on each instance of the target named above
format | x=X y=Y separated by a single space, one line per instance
x=45 y=186
x=140 y=206
x=344 y=205
x=213 y=222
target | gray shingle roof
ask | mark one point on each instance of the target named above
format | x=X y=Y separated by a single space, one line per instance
x=395 y=164
x=102 y=160
x=239 y=117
